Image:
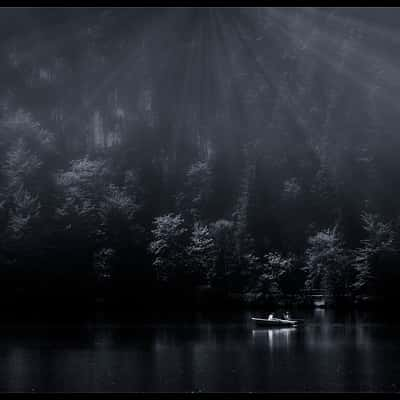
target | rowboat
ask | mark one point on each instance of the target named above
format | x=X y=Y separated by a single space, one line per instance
x=299 y=321
x=274 y=322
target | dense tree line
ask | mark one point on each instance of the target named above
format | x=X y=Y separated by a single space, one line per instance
x=137 y=160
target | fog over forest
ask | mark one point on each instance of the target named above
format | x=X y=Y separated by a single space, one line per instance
x=199 y=155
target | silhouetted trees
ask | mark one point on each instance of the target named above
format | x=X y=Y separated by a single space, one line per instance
x=151 y=151
x=327 y=264
x=375 y=258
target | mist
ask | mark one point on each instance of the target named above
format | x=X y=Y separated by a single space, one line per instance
x=158 y=152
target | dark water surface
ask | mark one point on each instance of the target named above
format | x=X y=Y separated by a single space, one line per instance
x=203 y=352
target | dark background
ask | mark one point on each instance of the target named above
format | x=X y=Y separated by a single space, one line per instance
x=267 y=126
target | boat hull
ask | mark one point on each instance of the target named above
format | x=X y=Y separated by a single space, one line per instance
x=274 y=322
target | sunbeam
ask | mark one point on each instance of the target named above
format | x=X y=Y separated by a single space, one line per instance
x=355 y=73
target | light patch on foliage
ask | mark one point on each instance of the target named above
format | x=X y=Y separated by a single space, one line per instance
x=20 y=163
x=167 y=246
x=26 y=209
x=291 y=188
x=102 y=263
x=380 y=242
x=117 y=201
x=202 y=252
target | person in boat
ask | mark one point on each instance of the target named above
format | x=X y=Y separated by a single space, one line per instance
x=270 y=316
x=286 y=315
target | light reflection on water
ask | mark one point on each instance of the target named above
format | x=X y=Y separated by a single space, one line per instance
x=273 y=337
x=330 y=352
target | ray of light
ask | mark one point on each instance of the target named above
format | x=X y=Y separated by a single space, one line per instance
x=359 y=53
x=321 y=58
x=248 y=61
x=389 y=72
x=251 y=51
x=331 y=61
x=225 y=34
x=272 y=76
x=125 y=66
x=185 y=107
x=369 y=28
x=222 y=66
x=297 y=108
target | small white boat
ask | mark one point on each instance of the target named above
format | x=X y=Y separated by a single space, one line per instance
x=274 y=322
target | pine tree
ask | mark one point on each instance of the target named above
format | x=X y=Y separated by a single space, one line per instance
x=20 y=165
x=197 y=189
x=327 y=263
x=102 y=260
x=267 y=277
x=202 y=254
x=371 y=257
x=23 y=214
x=168 y=247
x=82 y=189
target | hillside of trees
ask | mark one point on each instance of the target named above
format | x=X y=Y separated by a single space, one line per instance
x=156 y=154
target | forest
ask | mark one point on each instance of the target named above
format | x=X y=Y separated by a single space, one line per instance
x=199 y=155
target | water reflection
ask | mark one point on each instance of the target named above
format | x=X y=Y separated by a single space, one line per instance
x=331 y=352
x=273 y=337
x=319 y=314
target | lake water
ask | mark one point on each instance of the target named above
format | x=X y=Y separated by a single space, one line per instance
x=203 y=352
